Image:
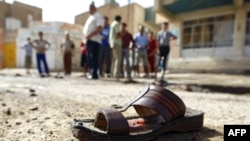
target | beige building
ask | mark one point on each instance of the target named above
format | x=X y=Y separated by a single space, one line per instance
x=19 y=11
x=13 y=17
x=132 y=14
x=214 y=35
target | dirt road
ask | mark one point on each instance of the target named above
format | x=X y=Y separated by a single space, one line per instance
x=46 y=114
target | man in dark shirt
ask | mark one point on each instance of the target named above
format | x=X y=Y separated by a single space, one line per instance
x=127 y=39
x=164 y=37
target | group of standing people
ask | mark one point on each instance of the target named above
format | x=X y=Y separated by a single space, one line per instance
x=41 y=46
x=105 y=48
x=111 y=45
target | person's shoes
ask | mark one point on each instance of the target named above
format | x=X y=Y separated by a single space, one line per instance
x=108 y=75
x=117 y=78
x=92 y=78
x=121 y=76
x=42 y=75
x=130 y=80
x=163 y=82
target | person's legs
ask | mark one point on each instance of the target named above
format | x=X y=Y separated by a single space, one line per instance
x=28 y=63
x=108 y=60
x=128 y=68
x=112 y=63
x=95 y=53
x=38 y=61
x=165 y=55
x=101 y=59
x=84 y=64
x=68 y=63
x=117 y=52
x=151 y=60
x=136 y=63
x=89 y=54
x=164 y=51
x=122 y=63
x=43 y=59
x=144 y=56
x=65 y=63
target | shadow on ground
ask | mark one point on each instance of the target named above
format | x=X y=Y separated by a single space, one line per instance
x=208 y=88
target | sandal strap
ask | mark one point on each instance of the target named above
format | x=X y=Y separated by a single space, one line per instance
x=126 y=106
x=112 y=121
x=161 y=101
x=172 y=97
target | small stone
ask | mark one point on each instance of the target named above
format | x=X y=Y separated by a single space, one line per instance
x=8 y=112
x=21 y=113
x=51 y=132
x=68 y=113
x=186 y=87
x=9 y=125
x=33 y=94
x=3 y=104
x=10 y=91
x=32 y=90
x=34 y=109
x=18 y=123
x=34 y=118
x=29 y=131
x=18 y=75
x=46 y=118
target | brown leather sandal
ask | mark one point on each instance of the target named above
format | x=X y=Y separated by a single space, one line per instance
x=159 y=111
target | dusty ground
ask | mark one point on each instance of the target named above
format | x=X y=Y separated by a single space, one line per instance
x=46 y=116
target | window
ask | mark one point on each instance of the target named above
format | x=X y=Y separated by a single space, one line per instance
x=208 y=32
x=248 y=30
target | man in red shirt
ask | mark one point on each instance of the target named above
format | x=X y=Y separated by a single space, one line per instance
x=152 y=50
x=127 y=39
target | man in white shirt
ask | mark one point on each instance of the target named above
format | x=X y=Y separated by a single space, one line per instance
x=67 y=49
x=28 y=54
x=41 y=47
x=92 y=38
x=116 y=45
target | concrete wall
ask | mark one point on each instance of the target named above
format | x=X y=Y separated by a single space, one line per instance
x=208 y=64
x=247 y=51
x=132 y=14
x=19 y=11
x=12 y=23
x=5 y=8
x=53 y=33
x=234 y=58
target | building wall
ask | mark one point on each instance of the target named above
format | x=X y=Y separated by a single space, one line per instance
x=132 y=14
x=53 y=33
x=1 y=49
x=19 y=11
x=234 y=58
x=4 y=12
